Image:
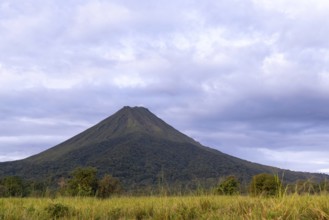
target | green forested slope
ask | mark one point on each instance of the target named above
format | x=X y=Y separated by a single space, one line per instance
x=142 y=151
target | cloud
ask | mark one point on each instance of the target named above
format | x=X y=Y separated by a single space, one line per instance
x=301 y=160
x=99 y=17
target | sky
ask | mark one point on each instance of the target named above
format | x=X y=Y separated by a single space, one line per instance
x=247 y=77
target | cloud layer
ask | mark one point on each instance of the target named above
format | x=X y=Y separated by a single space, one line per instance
x=248 y=77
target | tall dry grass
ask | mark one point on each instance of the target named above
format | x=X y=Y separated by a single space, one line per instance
x=184 y=207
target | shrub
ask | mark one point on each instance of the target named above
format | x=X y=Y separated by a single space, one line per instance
x=83 y=182
x=140 y=214
x=186 y=212
x=114 y=214
x=107 y=186
x=265 y=184
x=57 y=210
x=229 y=186
x=12 y=186
x=206 y=205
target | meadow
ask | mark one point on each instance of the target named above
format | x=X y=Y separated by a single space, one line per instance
x=163 y=207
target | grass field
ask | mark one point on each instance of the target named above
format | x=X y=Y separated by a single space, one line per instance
x=184 y=207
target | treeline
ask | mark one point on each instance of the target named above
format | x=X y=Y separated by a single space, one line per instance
x=270 y=185
x=83 y=182
x=86 y=182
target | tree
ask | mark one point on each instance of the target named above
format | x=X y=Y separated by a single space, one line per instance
x=2 y=190
x=36 y=188
x=62 y=185
x=265 y=184
x=108 y=185
x=228 y=186
x=12 y=186
x=83 y=182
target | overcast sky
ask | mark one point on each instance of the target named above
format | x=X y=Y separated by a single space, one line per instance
x=247 y=77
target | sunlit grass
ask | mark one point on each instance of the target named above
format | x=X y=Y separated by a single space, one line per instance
x=184 y=207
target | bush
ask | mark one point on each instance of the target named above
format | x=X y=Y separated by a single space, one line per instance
x=114 y=214
x=83 y=182
x=12 y=187
x=57 y=210
x=107 y=186
x=186 y=212
x=265 y=184
x=229 y=186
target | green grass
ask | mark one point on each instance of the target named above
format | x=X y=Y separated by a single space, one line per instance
x=185 y=207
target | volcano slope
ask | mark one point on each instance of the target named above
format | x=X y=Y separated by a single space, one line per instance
x=142 y=151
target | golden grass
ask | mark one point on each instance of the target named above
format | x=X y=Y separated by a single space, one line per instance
x=184 y=207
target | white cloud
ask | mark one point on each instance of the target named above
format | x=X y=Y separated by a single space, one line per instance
x=295 y=8
x=21 y=79
x=26 y=139
x=133 y=80
x=323 y=79
x=21 y=26
x=295 y=157
x=52 y=122
x=13 y=156
x=326 y=170
x=311 y=161
x=94 y=17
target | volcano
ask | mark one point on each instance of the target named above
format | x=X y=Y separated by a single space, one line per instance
x=141 y=150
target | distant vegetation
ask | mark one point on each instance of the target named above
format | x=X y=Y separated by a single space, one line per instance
x=85 y=182
x=86 y=196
